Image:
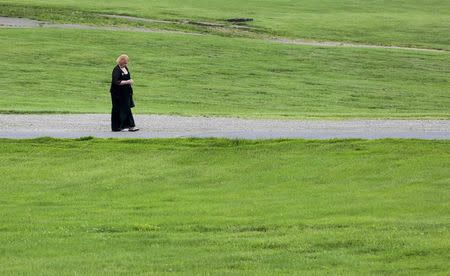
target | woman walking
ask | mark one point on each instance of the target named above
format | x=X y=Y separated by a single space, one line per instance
x=122 y=96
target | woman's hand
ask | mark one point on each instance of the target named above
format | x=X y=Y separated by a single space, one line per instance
x=124 y=82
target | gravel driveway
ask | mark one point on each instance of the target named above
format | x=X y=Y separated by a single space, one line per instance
x=164 y=126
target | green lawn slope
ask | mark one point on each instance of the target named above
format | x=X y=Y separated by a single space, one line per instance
x=402 y=22
x=222 y=206
x=54 y=70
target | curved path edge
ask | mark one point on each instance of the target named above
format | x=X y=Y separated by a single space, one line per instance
x=11 y=22
x=166 y=126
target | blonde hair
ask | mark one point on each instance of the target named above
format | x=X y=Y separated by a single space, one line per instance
x=122 y=56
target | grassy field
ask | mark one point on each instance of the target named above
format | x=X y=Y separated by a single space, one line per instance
x=215 y=206
x=95 y=206
x=67 y=71
x=54 y=70
x=402 y=22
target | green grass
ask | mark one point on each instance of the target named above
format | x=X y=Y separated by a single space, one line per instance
x=93 y=206
x=52 y=70
x=86 y=17
x=214 y=206
x=402 y=22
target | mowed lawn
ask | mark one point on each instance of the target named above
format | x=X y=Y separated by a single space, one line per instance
x=54 y=70
x=416 y=23
x=93 y=206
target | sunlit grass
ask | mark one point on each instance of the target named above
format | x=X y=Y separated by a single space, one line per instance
x=54 y=70
x=97 y=206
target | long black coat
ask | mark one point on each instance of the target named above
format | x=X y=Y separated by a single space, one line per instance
x=122 y=100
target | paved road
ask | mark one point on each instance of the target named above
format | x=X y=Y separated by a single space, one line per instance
x=163 y=126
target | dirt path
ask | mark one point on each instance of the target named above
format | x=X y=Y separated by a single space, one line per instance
x=164 y=126
x=347 y=44
x=10 y=22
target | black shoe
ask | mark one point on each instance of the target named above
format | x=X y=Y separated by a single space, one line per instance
x=133 y=129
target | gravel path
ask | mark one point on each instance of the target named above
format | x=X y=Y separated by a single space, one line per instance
x=164 y=126
x=10 y=22
x=18 y=22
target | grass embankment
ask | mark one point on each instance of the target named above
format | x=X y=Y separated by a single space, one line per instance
x=53 y=70
x=403 y=23
x=206 y=206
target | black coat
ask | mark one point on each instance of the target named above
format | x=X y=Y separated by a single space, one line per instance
x=121 y=90
x=122 y=101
